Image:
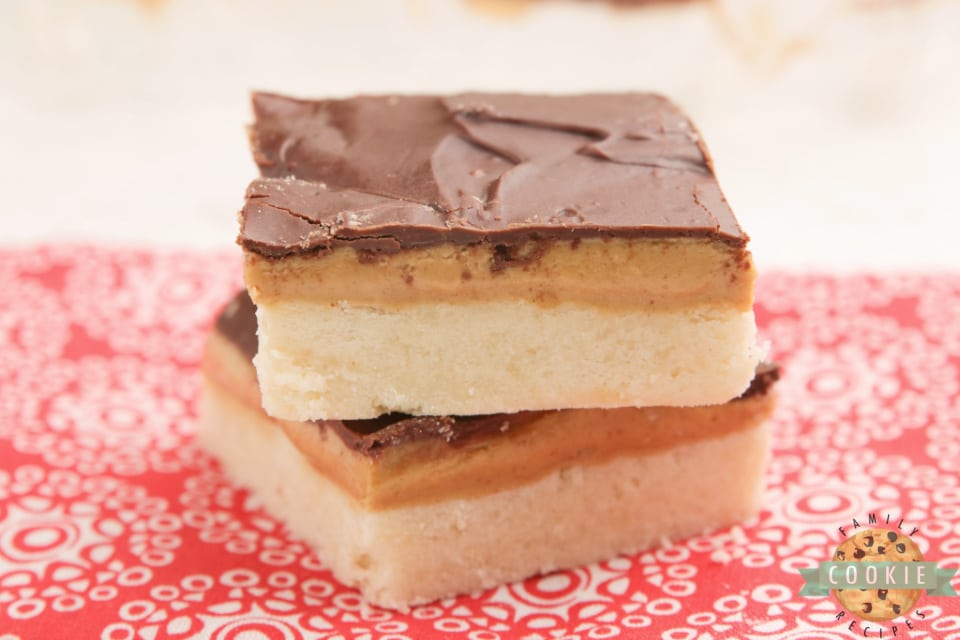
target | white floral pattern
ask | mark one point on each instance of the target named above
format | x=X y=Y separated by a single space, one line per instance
x=113 y=522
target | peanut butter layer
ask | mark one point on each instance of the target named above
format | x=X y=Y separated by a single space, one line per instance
x=400 y=460
x=386 y=174
x=522 y=449
x=623 y=273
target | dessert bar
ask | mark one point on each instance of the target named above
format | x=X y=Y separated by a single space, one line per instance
x=483 y=253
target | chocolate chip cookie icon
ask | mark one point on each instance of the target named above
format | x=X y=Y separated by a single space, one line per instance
x=878 y=545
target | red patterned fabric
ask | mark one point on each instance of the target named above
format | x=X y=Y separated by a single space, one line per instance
x=114 y=525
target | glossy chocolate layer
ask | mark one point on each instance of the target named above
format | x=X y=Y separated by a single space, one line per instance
x=238 y=324
x=385 y=173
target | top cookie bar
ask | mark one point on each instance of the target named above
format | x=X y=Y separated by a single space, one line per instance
x=488 y=253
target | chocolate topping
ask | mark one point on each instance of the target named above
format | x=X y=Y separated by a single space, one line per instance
x=371 y=436
x=385 y=173
x=766 y=374
x=238 y=324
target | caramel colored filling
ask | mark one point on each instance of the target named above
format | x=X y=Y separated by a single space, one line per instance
x=526 y=447
x=431 y=470
x=618 y=273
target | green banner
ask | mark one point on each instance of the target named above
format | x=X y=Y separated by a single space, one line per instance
x=820 y=580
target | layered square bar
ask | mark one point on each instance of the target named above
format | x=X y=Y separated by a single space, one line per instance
x=487 y=253
x=411 y=509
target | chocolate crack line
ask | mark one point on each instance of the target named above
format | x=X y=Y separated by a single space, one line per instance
x=289 y=178
x=444 y=215
x=325 y=230
x=706 y=209
x=291 y=212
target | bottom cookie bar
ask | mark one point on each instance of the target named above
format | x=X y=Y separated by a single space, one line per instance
x=409 y=510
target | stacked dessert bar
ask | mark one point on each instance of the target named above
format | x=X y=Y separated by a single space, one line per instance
x=493 y=335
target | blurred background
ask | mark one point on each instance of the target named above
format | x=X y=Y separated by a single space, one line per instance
x=834 y=124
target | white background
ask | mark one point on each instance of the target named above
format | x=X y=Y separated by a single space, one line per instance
x=834 y=124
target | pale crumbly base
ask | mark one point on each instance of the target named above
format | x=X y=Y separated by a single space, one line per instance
x=577 y=514
x=339 y=361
